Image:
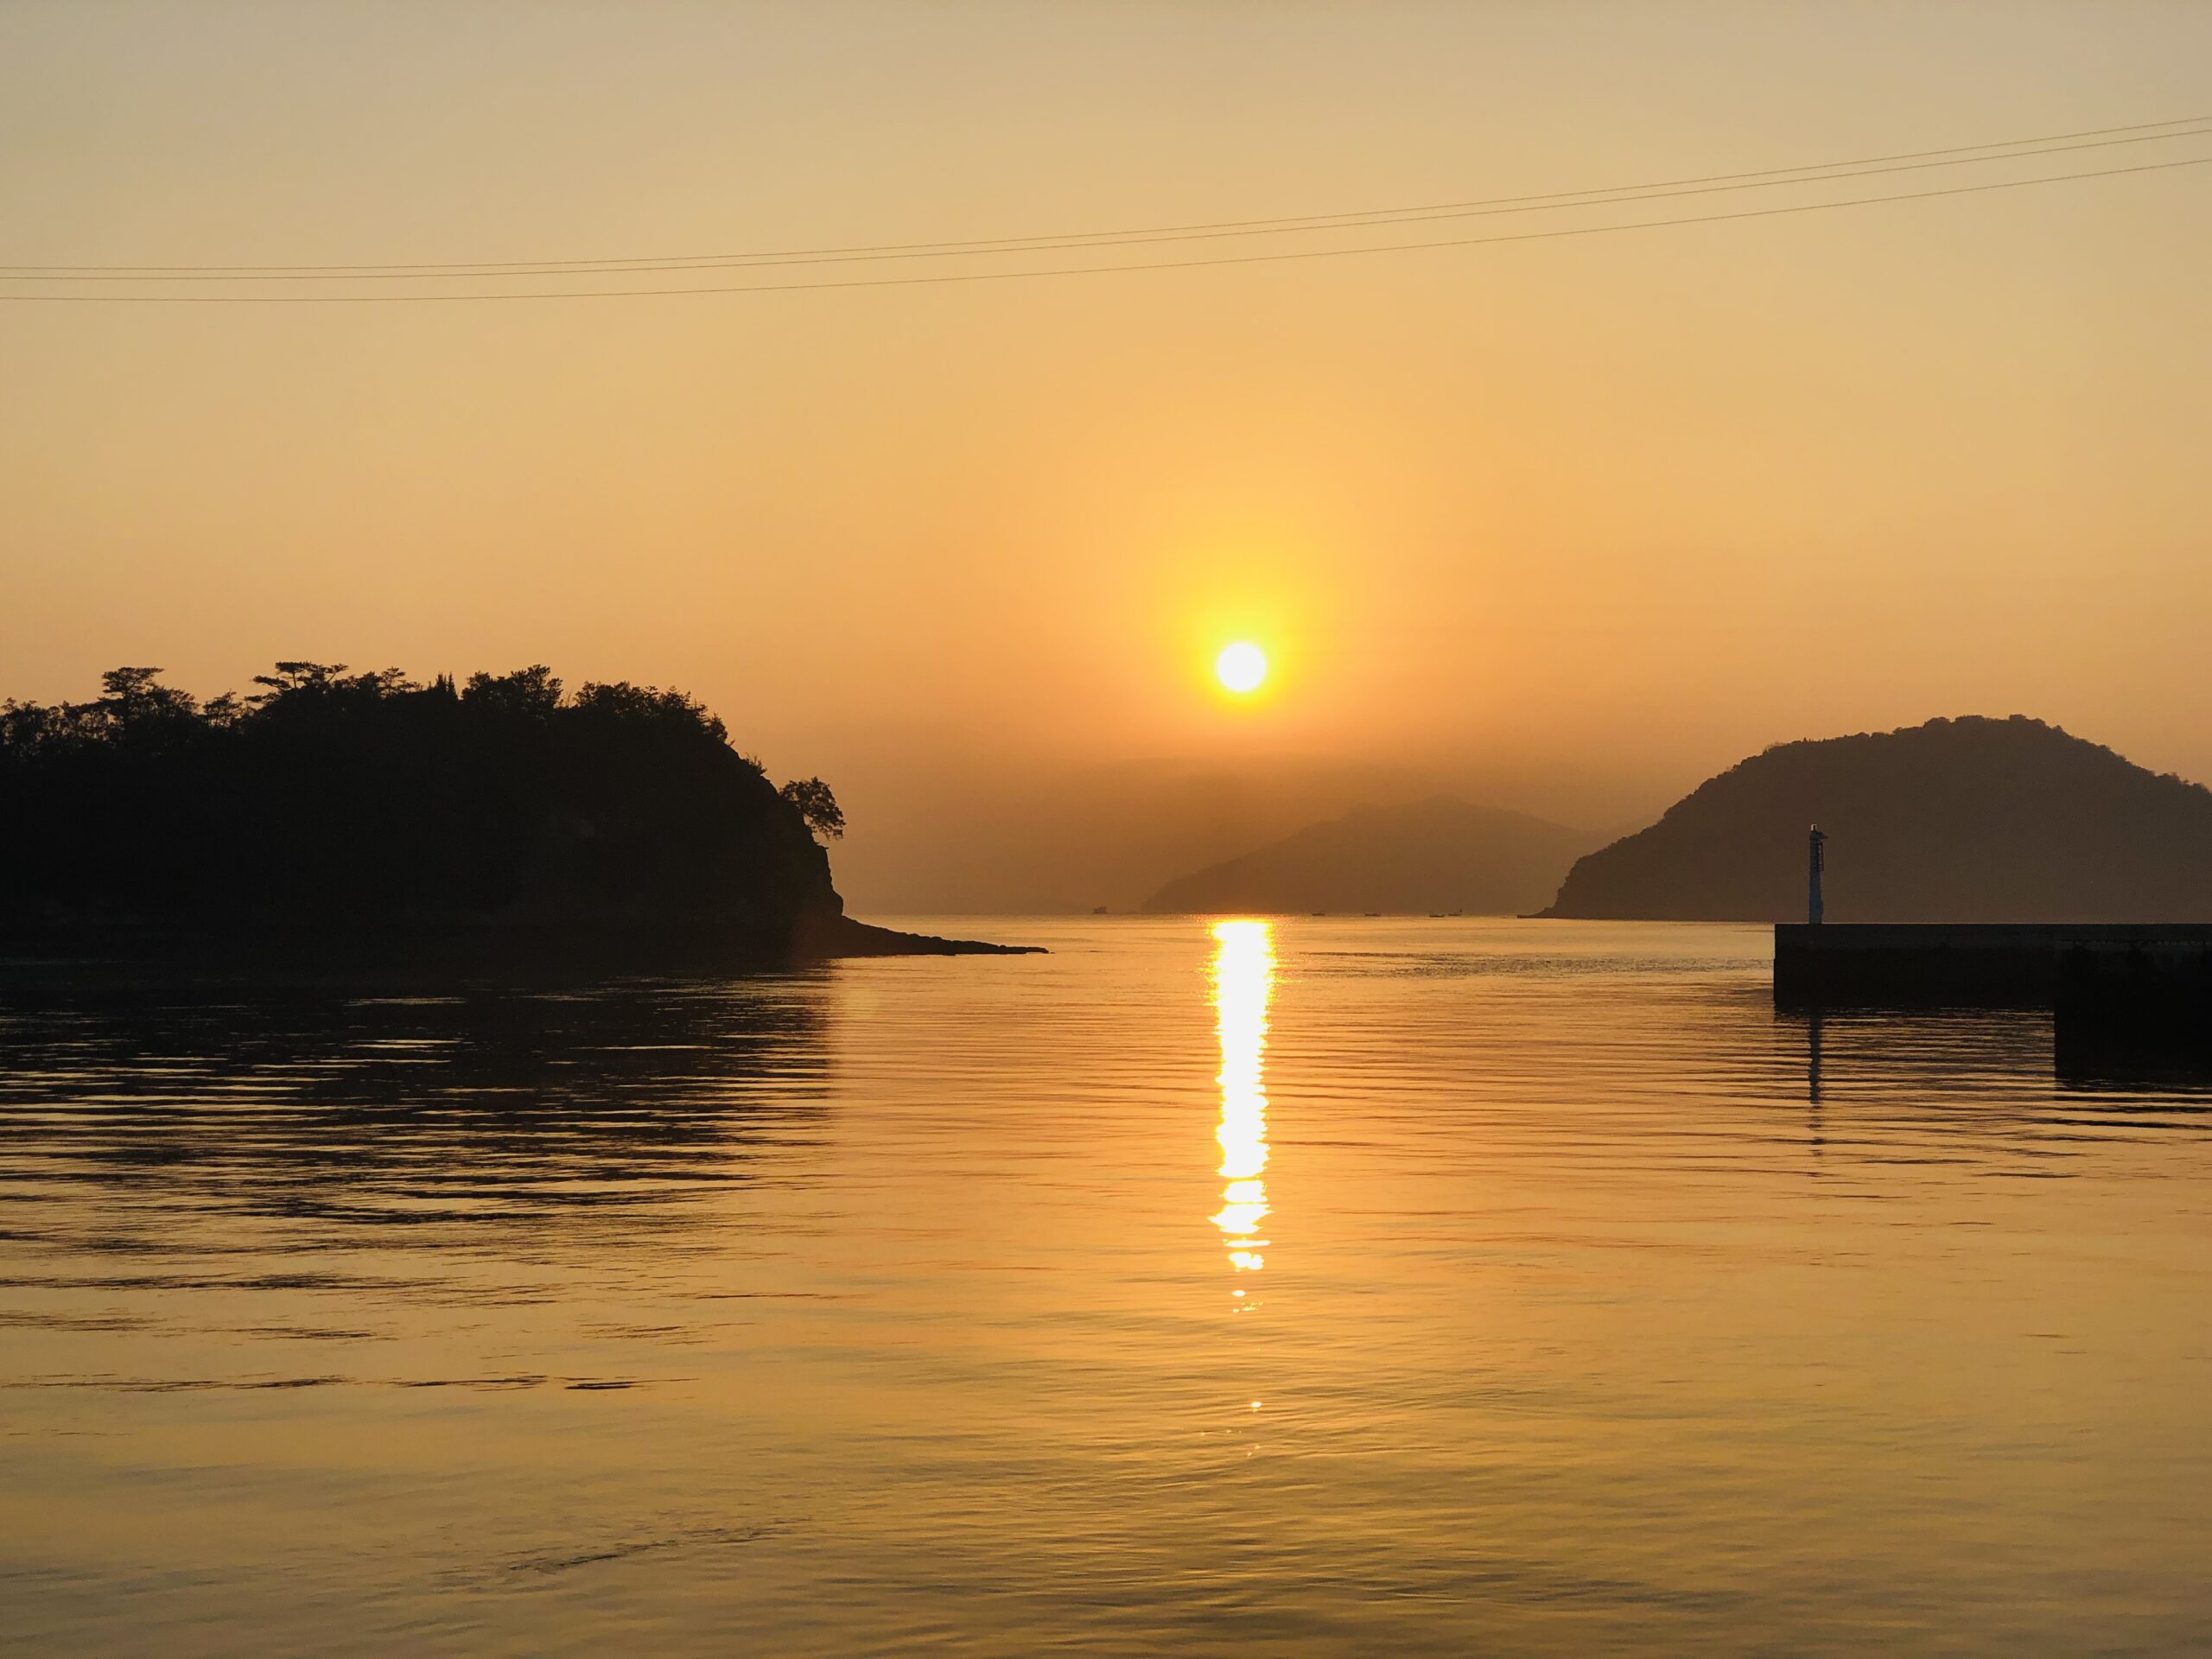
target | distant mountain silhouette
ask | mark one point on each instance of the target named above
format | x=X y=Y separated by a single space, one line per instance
x=1437 y=854
x=1021 y=838
x=1964 y=820
x=331 y=807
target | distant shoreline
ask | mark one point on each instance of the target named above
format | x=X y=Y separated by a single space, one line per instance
x=852 y=939
x=487 y=944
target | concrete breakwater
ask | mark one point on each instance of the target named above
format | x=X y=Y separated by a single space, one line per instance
x=2153 y=974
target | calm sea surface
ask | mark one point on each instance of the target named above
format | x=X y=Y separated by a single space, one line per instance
x=1320 y=1286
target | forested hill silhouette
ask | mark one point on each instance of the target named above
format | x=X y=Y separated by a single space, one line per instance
x=1439 y=853
x=353 y=805
x=1967 y=820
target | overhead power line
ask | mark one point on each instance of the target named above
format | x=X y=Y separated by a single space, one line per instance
x=933 y=278
x=1376 y=220
x=1909 y=160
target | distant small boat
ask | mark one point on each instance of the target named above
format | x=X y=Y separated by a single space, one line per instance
x=1098 y=910
x=1320 y=913
x=1375 y=913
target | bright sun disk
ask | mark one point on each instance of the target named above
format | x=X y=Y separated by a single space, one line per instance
x=1241 y=667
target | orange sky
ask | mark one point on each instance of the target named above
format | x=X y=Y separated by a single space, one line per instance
x=1567 y=524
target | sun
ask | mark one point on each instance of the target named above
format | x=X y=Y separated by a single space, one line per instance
x=1241 y=667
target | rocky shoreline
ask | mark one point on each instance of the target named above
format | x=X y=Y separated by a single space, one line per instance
x=851 y=938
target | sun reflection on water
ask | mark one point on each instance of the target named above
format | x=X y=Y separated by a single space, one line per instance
x=1243 y=980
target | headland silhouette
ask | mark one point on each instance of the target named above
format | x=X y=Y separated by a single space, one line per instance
x=329 y=806
x=1967 y=820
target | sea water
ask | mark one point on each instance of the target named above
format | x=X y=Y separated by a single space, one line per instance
x=1247 y=1286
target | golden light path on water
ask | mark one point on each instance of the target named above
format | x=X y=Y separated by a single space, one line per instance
x=1243 y=980
x=799 y=1315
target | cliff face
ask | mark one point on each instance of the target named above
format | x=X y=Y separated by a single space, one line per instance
x=1439 y=854
x=368 y=804
x=1961 y=820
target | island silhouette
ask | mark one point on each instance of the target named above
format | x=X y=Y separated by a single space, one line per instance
x=328 y=808
x=1440 y=853
x=1974 y=819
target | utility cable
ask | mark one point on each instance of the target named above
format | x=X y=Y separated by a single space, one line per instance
x=1959 y=156
x=909 y=280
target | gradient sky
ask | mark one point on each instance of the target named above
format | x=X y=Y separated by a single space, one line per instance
x=1568 y=525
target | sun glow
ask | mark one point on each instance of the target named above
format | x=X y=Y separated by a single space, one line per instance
x=1241 y=667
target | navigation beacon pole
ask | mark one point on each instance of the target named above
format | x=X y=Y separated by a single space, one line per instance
x=1817 y=860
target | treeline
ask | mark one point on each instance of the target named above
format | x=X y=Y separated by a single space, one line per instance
x=369 y=798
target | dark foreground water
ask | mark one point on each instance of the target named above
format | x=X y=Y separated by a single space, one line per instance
x=1336 y=1287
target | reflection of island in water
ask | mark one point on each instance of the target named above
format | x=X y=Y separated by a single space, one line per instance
x=426 y=1112
x=1243 y=980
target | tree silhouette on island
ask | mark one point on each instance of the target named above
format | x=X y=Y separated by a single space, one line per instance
x=332 y=805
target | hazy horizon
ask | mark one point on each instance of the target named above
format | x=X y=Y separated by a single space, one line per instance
x=1564 y=527
x=683 y=1167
